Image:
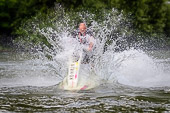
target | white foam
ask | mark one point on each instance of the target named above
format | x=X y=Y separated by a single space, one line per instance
x=139 y=69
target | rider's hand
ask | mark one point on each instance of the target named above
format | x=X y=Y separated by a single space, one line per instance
x=89 y=49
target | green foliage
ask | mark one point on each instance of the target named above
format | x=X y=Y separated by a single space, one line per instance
x=12 y=12
x=152 y=17
x=167 y=27
x=149 y=15
x=28 y=33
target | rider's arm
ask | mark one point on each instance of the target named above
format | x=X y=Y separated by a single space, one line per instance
x=91 y=43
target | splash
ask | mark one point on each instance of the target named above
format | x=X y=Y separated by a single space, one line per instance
x=137 y=68
x=116 y=59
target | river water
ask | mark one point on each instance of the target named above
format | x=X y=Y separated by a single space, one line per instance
x=126 y=76
x=139 y=83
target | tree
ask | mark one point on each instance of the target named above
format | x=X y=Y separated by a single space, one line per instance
x=12 y=12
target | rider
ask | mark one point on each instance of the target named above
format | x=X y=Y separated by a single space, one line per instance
x=85 y=37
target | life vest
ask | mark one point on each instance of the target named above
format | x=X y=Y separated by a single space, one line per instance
x=83 y=38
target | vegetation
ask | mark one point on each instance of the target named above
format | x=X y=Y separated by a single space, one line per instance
x=149 y=16
x=12 y=12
